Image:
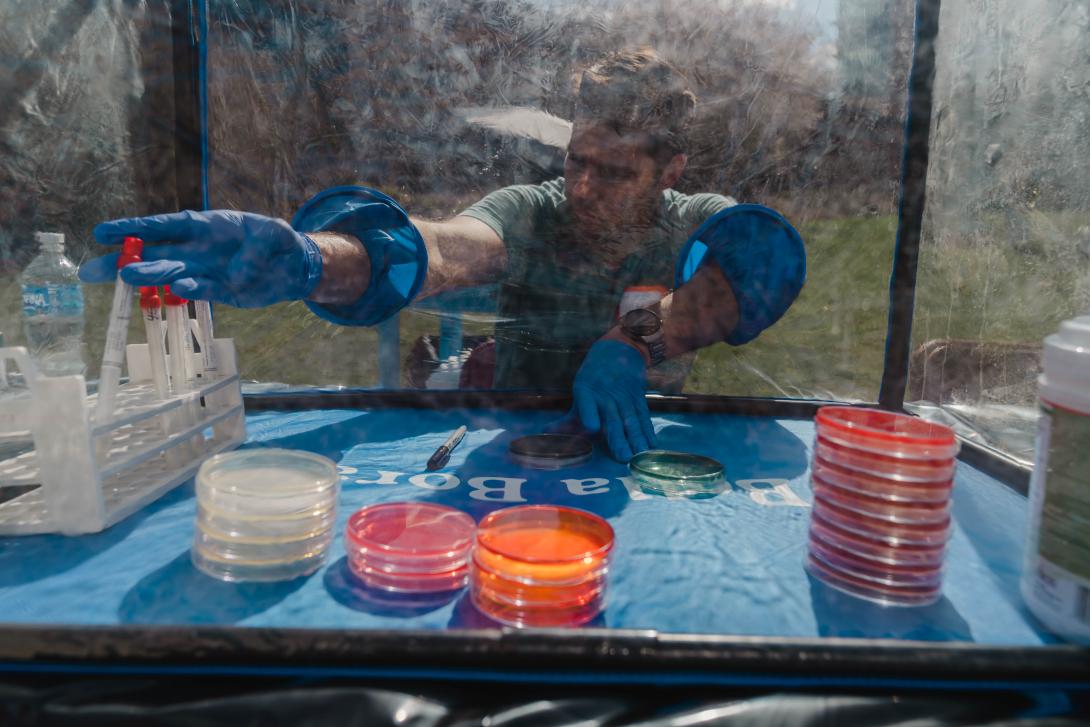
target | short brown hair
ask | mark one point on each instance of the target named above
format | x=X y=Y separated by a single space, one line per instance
x=639 y=91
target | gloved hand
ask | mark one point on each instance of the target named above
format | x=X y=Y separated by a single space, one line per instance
x=609 y=395
x=224 y=256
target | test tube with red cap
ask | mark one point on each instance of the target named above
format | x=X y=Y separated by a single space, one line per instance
x=116 y=332
x=151 y=307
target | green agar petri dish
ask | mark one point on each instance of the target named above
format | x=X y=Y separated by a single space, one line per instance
x=677 y=474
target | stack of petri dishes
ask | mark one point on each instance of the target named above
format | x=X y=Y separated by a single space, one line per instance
x=264 y=514
x=881 y=514
x=541 y=566
x=410 y=547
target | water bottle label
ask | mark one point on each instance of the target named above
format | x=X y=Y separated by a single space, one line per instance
x=52 y=300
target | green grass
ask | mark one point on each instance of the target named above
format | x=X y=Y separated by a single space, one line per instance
x=829 y=345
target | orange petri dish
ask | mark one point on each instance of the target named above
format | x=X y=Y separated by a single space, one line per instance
x=541 y=565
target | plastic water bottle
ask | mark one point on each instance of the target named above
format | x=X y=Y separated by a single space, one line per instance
x=1056 y=578
x=53 y=309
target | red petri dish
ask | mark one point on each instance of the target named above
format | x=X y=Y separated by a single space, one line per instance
x=409 y=582
x=884 y=595
x=541 y=565
x=907 y=513
x=891 y=533
x=874 y=572
x=876 y=550
x=833 y=467
x=412 y=539
x=886 y=433
x=914 y=471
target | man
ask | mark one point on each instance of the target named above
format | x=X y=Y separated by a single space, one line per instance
x=564 y=253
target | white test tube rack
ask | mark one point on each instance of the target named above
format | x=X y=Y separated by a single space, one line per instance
x=66 y=485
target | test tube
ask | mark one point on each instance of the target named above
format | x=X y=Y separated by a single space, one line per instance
x=206 y=338
x=117 y=332
x=151 y=307
x=181 y=356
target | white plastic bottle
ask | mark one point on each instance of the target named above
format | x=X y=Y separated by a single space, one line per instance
x=1056 y=577
x=53 y=308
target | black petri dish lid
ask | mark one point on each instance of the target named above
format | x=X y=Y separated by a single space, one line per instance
x=551 y=450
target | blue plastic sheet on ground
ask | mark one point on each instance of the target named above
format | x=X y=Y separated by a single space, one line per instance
x=728 y=565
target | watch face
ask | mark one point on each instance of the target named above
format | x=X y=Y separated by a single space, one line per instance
x=641 y=322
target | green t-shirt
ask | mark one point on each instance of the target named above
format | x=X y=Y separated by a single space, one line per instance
x=554 y=300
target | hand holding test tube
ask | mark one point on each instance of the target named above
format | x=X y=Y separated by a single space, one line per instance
x=116 y=333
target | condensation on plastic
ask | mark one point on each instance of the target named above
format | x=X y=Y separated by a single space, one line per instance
x=437 y=104
x=86 y=134
x=1005 y=255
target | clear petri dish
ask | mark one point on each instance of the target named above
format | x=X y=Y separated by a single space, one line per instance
x=677 y=474
x=410 y=538
x=886 y=433
x=255 y=483
x=232 y=561
x=550 y=451
x=267 y=529
x=899 y=512
x=264 y=514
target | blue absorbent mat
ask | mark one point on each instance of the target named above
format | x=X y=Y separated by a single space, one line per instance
x=728 y=565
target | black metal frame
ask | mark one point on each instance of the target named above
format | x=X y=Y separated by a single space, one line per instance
x=913 y=200
x=554 y=656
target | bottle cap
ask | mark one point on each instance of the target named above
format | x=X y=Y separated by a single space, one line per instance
x=170 y=299
x=149 y=297
x=131 y=251
x=49 y=239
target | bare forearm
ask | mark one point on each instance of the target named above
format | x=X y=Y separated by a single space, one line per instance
x=699 y=313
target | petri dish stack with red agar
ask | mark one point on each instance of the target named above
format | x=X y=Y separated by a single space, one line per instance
x=541 y=566
x=881 y=513
x=410 y=547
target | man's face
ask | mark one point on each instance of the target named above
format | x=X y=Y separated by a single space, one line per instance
x=613 y=183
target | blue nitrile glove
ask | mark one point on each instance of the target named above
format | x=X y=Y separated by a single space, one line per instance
x=609 y=396
x=224 y=256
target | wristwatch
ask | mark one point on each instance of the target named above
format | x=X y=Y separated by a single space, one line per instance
x=645 y=326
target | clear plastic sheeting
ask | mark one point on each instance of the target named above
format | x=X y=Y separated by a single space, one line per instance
x=86 y=134
x=1006 y=250
x=800 y=108
x=150 y=701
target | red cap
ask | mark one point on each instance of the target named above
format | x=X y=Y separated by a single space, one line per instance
x=149 y=297
x=131 y=250
x=170 y=299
